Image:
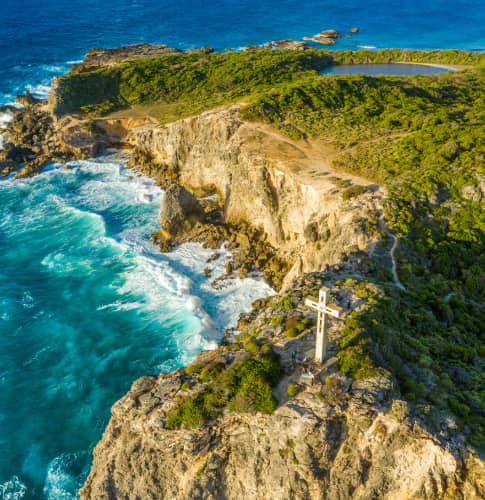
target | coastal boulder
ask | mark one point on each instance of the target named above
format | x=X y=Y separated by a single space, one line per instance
x=180 y=210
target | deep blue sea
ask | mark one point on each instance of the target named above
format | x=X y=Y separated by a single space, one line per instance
x=87 y=304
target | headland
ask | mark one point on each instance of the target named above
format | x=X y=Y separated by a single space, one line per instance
x=313 y=180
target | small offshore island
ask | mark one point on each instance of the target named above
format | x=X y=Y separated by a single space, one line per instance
x=371 y=186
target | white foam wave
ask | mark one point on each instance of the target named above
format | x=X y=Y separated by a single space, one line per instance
x=59 y=483
x=233 y=296
x=13 y=489
x=166 y=286
x=5 y=118
x=40 y=90
x=64 y=265
x=27 y=301
x=37 y=355
x=53 y=68
x=367 y=47
x=120 y=306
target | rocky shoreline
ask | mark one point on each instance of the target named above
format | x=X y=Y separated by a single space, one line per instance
x=226 y=180
x=36 y=137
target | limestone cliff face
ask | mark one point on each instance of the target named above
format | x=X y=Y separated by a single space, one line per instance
x=282 y=187
x=360 y=448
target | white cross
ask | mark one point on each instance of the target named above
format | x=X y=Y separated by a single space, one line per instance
x=323 y=310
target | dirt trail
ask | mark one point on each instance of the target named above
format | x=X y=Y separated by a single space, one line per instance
x=395 y=276
x=310 y=160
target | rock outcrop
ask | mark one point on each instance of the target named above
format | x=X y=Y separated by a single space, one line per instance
x=326 y=37
x=307 y=449
x=35 y=138
x=179 y=211
x=97 y=58
x=287 y=44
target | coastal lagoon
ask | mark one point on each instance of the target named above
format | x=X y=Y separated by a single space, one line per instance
x=394 y=69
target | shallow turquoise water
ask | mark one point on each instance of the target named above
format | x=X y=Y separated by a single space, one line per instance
x=383 y=70
x=87 y=305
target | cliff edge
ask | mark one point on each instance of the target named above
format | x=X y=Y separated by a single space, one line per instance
x=334 y=438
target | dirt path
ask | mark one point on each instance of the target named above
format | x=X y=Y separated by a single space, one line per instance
x=310 y=160
x=395 y=276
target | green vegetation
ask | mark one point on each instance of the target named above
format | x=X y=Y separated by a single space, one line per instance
x=252 y=346
x=431 y=347
x=294 y=327
x=178 y=85
x=193 y=368
x=451 y=57
x=244 y=386
x=292 y=390
x=353 y=192
x=186 y=83
x=383 y=128
x=286 y=303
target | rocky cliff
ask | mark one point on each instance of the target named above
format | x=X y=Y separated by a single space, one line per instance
x=285 y=188
x=336 y=438
x=360 y=448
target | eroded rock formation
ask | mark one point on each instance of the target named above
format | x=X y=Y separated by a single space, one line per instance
x=35 y=138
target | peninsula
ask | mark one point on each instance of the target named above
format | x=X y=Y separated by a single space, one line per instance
x=373 y=187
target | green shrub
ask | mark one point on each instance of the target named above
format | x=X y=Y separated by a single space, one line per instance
x=292 y=390
x=194 y=411
x=252 y=346
x=192 y=368
x=254 y=395
x=292 y=332
x=277 y=320
x=245 y=386
x=285 y=303
x=295 y=326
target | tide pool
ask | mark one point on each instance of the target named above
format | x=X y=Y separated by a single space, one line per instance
x=87 y=305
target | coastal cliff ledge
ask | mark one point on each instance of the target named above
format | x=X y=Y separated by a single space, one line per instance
x=335 y=438
x=285 y=188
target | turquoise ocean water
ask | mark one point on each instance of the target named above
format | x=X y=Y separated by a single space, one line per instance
x=87 y=305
